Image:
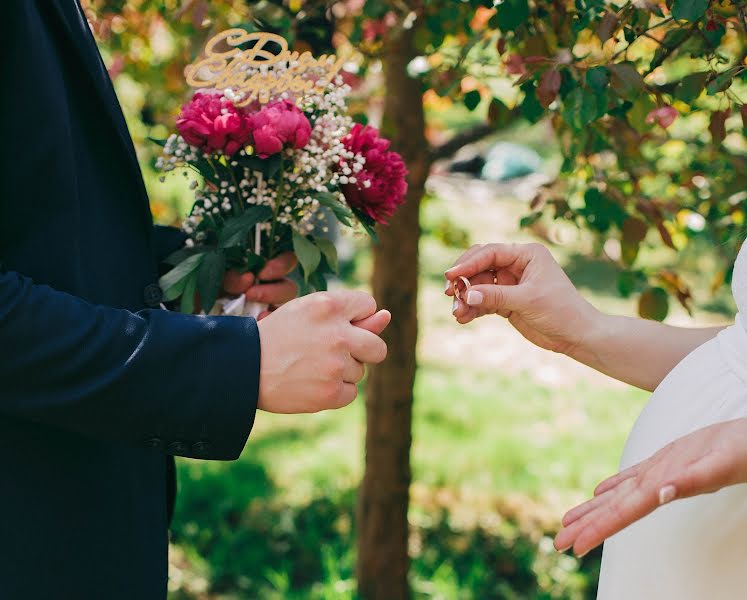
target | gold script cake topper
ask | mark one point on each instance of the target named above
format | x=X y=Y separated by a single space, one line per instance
x=264 y=68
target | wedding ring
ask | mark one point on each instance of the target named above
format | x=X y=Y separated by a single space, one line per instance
x=457 y=291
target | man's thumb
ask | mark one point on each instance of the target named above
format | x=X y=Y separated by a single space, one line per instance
x=376 y=323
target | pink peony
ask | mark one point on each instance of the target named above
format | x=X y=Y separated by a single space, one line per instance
x=382 y=184
x=279 y=125
x=664 y=116
x=212 y=123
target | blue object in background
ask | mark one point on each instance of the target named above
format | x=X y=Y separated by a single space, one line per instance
x=505 y=161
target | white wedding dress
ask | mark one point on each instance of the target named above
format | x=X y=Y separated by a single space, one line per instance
x=694 y=549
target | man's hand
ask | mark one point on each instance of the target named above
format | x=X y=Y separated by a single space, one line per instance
x=269 y=287
x=313 y=350
x=700 y=463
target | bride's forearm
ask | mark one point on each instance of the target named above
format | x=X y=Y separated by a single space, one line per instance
x=637 y=351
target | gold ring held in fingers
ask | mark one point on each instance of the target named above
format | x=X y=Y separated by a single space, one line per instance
x=457 y=291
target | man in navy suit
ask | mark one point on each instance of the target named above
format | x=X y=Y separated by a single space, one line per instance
x=100 y=387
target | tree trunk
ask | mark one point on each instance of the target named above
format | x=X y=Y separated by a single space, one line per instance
x=383 y=560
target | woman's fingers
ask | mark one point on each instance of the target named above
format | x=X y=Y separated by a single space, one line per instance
x=469 y=253
x=584 y=509
x=275 y=293
x=504 y=277
x=614 y=516
x=494 y=298
x=278 y=267
x=237 y=283
x=613 y=512
x=615 y=480
x=463 y=312
x=493 y=257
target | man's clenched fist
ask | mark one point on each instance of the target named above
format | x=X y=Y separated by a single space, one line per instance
x=314 y=350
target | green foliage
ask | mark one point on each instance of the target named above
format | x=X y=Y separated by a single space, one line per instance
x=626 y=169
x=596 y=70
x=309 y=255
x=271 y=551
x=611 y=78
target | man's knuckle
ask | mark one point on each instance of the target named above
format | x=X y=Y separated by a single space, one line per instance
x=325 y=304
x=330 y=392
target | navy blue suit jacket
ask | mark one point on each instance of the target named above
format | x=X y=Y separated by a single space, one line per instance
x=98 y=386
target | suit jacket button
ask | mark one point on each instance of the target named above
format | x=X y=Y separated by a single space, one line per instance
x=154 y=442
x=178 y=448
x=152 y=295
x=201 y=447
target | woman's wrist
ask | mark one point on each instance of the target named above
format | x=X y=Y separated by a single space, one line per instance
x=597 y=329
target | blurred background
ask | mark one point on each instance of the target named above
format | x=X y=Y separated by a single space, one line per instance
x=613 y=133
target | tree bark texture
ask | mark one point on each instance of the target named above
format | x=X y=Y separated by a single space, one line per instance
x=383 y=560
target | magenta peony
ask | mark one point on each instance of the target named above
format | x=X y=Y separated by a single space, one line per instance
x=279 y=125
x=212 y=123
x=382 y=184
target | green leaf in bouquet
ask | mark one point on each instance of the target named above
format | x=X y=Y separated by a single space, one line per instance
x=330 y=253
x=368 y=224
x=318 y=281
x=307 y=253
x=188 y=295
x=332 y=201
x=255 y=263
x=157 y=142
x=174 y=282
x=236 y=229
x=269 y=167
x=210 y=278
x=183 y=254
x=273 y=165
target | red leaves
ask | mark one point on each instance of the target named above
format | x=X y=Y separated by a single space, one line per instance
x=515 y=64
x=664 y=116
x=607 y=26
x=548 y=88
x=717 y=126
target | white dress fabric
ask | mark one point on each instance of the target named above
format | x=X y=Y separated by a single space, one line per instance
x=694 y=549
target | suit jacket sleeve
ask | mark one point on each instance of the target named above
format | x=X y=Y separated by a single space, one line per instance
x=186 y=384
x=166 y=240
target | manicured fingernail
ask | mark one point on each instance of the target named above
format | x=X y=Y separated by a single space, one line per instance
x=447 y=287
x=582 y=555
x=454 y=268
x=564 y=549
x=474 y=298
x=454 y=306
x=667 y=494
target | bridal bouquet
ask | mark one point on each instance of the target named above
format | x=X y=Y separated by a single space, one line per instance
x=277 y=155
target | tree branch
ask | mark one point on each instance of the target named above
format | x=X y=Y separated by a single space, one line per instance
x=461 y=139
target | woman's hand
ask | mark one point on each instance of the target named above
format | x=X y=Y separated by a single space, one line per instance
x=523 y=283
x=700 y=463
x=275 y=292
